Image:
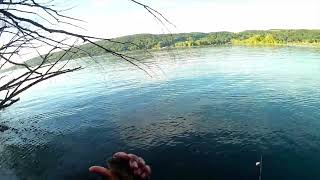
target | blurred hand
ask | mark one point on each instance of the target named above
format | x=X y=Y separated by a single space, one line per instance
x=137 y=166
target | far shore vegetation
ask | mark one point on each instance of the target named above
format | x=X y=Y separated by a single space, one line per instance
x=274 y=37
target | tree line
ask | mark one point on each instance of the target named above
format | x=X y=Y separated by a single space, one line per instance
x=182 y=40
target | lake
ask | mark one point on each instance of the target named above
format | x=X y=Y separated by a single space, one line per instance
x=206 y=113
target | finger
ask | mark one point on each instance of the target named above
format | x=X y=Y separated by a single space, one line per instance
x=141 y=161
x=144 y=175
x=100 y=170
x=137 y=172
x=132 y=156
x=133 y=164
x=148 y=169
x=121 y=155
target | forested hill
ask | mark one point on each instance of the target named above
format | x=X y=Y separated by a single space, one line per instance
x=269 y=37
x=152 y=41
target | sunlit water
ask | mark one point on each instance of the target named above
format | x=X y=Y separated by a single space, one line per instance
x=206 y=113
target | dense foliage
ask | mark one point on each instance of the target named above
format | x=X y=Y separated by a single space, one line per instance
x=152 y=41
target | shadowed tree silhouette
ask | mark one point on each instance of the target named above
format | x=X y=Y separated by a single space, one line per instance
x=28 y=26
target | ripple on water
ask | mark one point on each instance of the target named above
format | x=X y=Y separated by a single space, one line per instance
x=217 y=108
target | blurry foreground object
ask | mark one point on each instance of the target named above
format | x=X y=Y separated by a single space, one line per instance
x=123 y=166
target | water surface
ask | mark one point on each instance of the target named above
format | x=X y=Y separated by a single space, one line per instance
x=207 y=113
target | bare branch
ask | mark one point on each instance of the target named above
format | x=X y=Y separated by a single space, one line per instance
x=21 y=34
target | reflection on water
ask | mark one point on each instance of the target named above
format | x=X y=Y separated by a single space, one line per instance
x=205 y=114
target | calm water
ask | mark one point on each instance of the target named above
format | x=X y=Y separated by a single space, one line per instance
x=206 y=114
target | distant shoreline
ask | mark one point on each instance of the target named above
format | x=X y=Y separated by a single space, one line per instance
x=147 y=42
x=177 y=48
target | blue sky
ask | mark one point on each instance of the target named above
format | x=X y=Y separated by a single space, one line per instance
x=111 y=18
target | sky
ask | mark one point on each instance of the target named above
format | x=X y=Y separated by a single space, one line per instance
x=113 y=18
